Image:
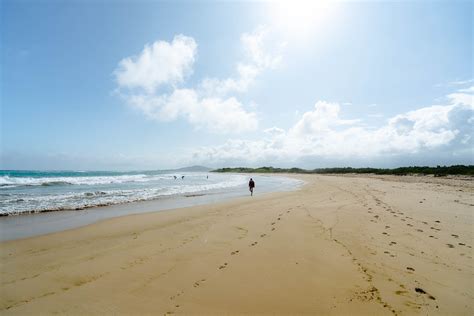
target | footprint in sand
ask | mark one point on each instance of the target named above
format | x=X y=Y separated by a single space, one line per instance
x=393 y=243
x=387 y=226
x=254 y=243
x=198 y=283
x=410 y=268
x=177 y=295
x=273 y=228
x=437 y=222
x=278 y=218
x=410 y=225
x=455 y=236
x=385 y=233
x=419 y=230
x=273 y=223
x=450 y=245
x=263 y=235
x=421 y=291
x=425 y=223
x=234 y=252
x=461 y=244
x=223 y=266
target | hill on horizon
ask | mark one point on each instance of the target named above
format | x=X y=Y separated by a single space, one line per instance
x=194 y=169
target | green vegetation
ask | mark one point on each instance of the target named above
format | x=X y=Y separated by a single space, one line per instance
x=438 y=171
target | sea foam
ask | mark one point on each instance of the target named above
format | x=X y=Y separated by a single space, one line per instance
x=50 y=192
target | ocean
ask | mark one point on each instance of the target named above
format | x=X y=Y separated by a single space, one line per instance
x=26 y=192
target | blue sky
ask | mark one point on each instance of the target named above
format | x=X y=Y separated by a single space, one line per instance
x=151 y=85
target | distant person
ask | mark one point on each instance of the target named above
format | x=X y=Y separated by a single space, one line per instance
x=182 y=177
x=207 y=177
x=251 y=186
x=175 y=177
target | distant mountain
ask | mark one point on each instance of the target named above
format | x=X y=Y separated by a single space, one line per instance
x=194 y=169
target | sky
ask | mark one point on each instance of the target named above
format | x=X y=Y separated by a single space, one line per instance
x=132 y=85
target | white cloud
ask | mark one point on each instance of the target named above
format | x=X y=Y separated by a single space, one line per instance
x=210 y=106
x=254 y=46
x=257 y=60
x=464 y=96
x=323 y=134
x=215 y=114
x=324 y=116
x=274 y=131
x=461 y=82
x=159 y=63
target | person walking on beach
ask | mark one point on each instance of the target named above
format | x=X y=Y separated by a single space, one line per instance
x=251 y=186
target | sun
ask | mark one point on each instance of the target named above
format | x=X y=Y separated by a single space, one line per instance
x=300 y=17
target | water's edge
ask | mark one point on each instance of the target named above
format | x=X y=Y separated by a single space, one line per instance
x=31 y=225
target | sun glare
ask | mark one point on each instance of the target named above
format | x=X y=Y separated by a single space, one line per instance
x=300 y=17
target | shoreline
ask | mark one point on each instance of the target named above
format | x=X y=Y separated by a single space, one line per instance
x=24 y=225
x=338 y=245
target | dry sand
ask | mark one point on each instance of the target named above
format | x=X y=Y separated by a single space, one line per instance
x=340 y=245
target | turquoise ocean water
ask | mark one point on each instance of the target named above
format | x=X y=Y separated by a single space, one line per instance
x=44 y=191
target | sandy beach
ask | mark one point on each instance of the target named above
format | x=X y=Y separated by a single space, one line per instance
x=340 y=245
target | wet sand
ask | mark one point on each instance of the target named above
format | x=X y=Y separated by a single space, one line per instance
x=340 y=245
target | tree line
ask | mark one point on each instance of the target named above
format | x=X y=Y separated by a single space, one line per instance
x=438 y=171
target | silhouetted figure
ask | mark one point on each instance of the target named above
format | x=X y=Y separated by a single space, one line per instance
x=182 y=177
x=251 y=186
x=175 y=177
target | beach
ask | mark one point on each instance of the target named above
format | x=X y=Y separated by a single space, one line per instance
x=75 y=200
x=359 y=245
